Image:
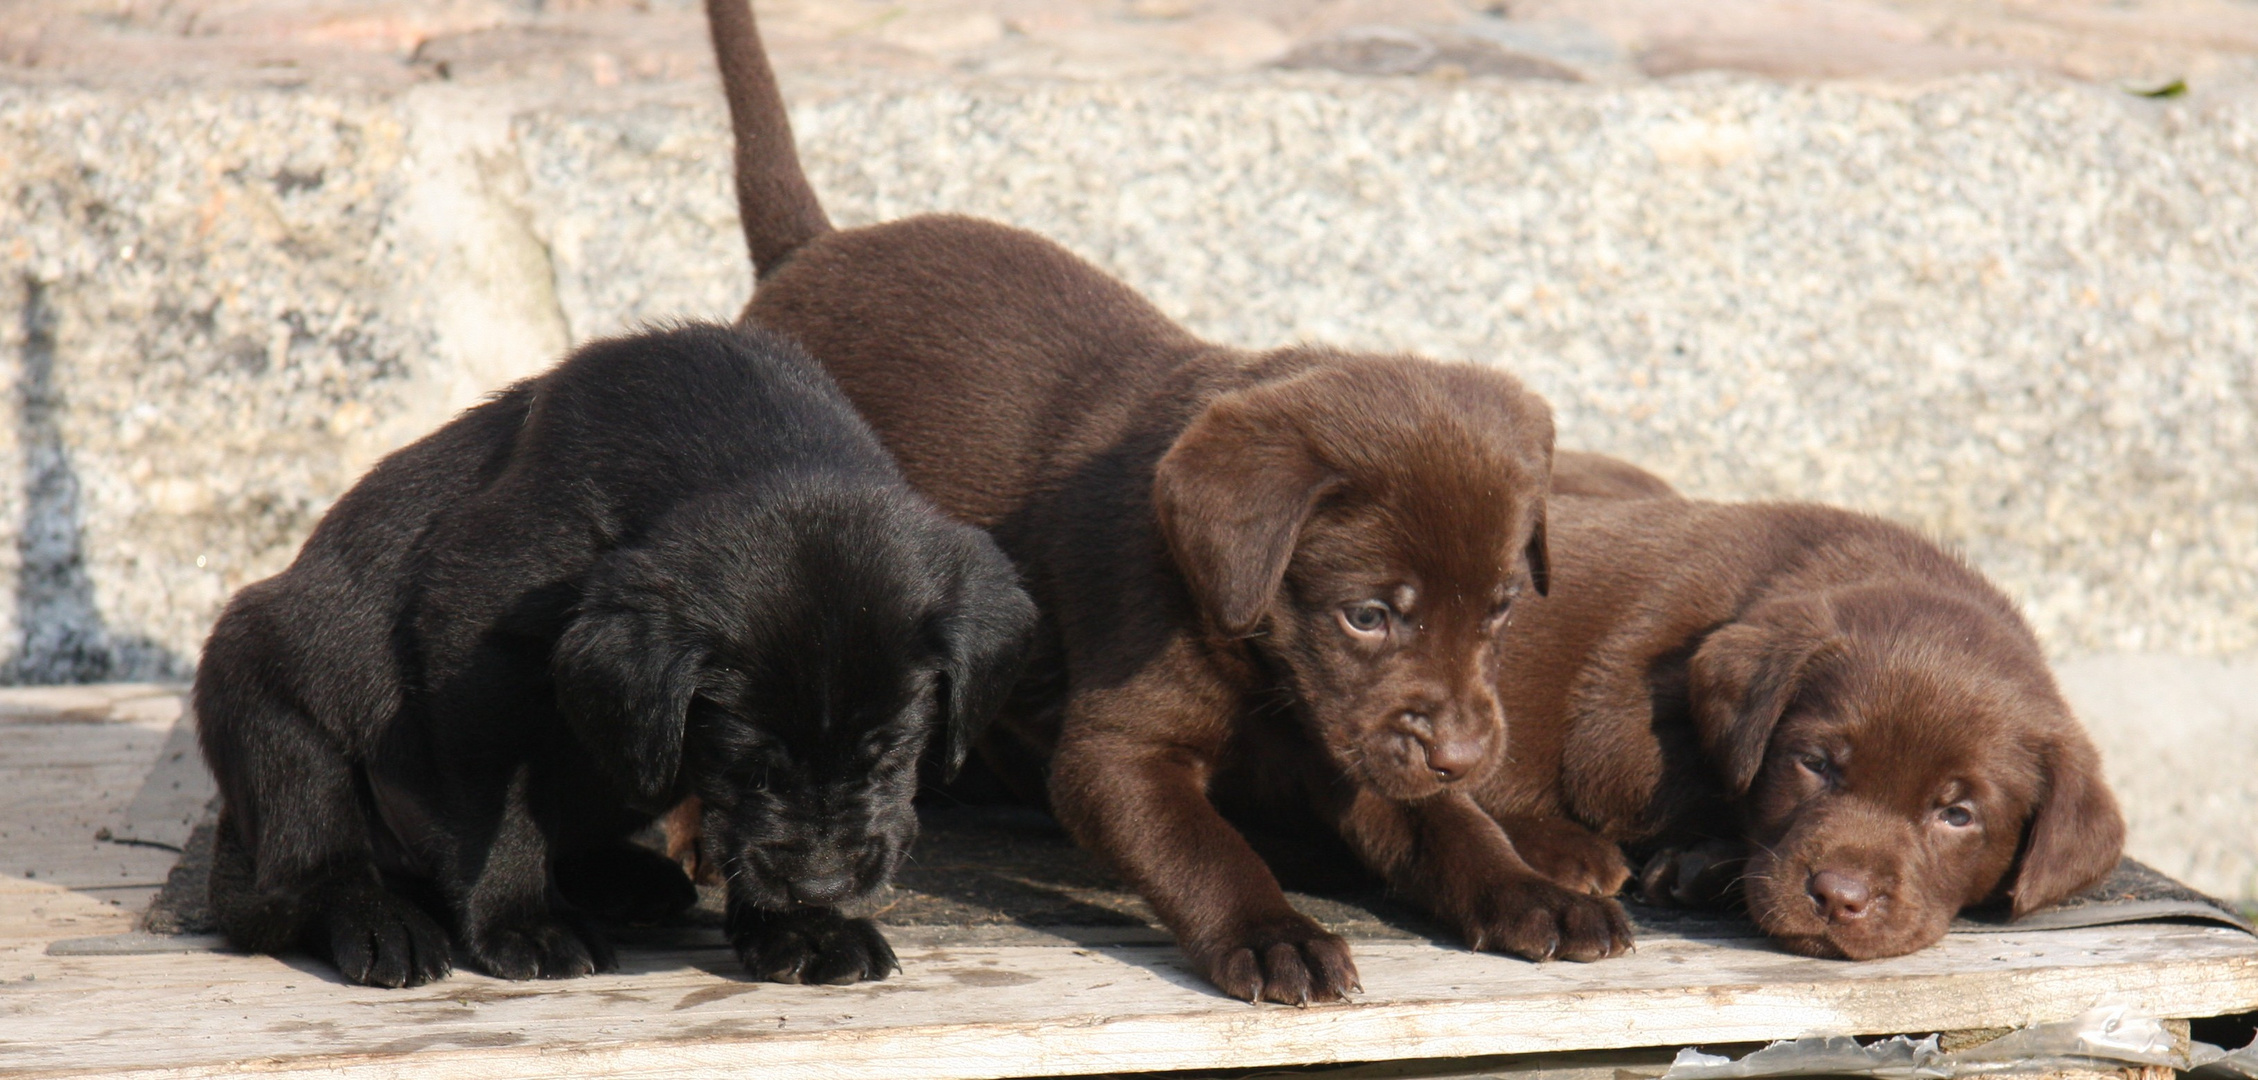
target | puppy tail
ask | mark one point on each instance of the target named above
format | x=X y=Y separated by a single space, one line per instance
x=774 y=200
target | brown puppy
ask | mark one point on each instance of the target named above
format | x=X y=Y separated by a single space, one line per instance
x=1279 y=575
x=1817 y=705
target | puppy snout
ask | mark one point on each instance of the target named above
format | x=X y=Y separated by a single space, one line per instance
x=1842 y=896
x=823 y=890
x=1453 y=758
x=1451 y=749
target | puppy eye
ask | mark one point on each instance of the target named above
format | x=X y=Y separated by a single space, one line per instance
x=1815 y=764
x=1366 y=619
x=754 y=777
x=1958 y=815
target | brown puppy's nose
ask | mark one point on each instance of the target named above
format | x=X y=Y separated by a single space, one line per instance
x=1452 y=759
x=1841 y=897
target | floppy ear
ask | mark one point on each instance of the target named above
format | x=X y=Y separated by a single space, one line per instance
x=1231 y=496
x=1540 y=557
x=624 y=683
x=1742 y=678
x=984 y=643
x=2077 y=836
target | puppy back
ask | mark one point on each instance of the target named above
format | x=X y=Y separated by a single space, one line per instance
x=626 y=425
x=985 y=356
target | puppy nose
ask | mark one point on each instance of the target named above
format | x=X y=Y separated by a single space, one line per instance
x=1842 y=897
x=1453 y=759
x=824 y=891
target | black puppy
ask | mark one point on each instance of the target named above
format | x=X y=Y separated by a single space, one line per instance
x=676 y=564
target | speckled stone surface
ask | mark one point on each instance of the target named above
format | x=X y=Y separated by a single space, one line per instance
x=2012 y=311
x=2015 y=311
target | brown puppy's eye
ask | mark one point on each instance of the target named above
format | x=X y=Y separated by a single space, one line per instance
x=1957 y=816
x=1816 y=764
x=1367 y=619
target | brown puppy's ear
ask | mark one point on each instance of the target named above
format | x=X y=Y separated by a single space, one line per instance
x=1231 y=496
x=624 y=683
x=1540 y=557
x=2077 y=836
x=1744 y=675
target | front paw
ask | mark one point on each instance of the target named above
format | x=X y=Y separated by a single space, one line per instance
x=541 y=946
x=1533 y=918
x=1698 y=875
x=625 y=884
x=377 y=938
x=1570 y=856
x=810 y=945
x=1288 y=959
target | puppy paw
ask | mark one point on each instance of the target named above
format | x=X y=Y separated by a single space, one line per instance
x=541 y=946
x=625 y=884
x=810 y=945
x=1569 y=855
x=1538 y=920
x=379 y=939
x=1698 y=875
x=1290 y=960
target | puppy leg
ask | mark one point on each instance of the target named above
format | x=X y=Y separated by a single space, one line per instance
x=500 y=888
x=624 y=883
x=1447 y=855
x=1145 y=808
x=292 y=864
x=1569 y=855
x=1704 y=874
x=813 y=945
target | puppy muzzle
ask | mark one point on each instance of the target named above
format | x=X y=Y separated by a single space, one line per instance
x=1414 y=753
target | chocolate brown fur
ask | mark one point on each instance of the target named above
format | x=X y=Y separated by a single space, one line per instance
x=1795 y=699
x=1203 y=528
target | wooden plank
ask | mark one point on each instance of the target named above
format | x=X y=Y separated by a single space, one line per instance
x=65 y=779
x=153 y=705
x=966 y=1012
x=972 y=1003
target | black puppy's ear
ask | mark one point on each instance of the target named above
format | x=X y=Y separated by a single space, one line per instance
x=1231 y=497
x=624 y=681
x=984 y=639
x=1742 y=678
x=2077 y=836
x=1540 y=556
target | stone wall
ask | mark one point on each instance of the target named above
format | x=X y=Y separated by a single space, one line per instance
x=2014 y=311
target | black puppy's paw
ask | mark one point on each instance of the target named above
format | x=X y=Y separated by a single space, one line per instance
x=1698 y=875
x=810 y=945
x=377 y=938
x=626 y=884
x=541 y=946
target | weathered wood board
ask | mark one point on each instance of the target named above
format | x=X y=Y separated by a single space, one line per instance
x=1030 y=1010
x=990 y=1001
x=72 y=761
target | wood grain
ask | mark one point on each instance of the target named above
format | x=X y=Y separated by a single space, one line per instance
x=959 y=1012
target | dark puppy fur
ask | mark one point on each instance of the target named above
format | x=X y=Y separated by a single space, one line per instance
x=676 y=564
x=1277 y=577
x=1816 y=706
